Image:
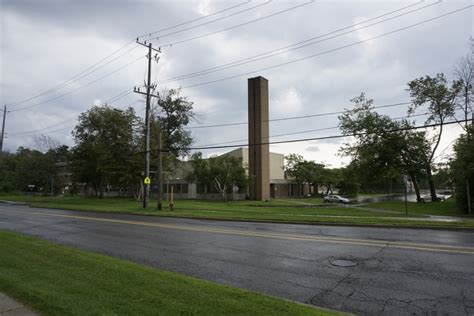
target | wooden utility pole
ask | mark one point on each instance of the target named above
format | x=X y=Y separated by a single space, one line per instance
x=146 y=191
x=3 y=127
x=146 y=167
x=160 y=173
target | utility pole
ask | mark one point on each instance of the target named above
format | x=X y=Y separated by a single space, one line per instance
x=146 y=167
x=160 y=173
x=468 y=197
x=3 y=127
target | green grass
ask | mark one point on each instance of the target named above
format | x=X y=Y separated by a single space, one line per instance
x=58 y=280
x=286 y=210
x=445 y=208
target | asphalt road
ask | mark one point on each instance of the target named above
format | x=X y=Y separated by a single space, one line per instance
x=391 y=272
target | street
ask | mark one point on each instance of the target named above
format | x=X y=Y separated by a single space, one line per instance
x=366 y=271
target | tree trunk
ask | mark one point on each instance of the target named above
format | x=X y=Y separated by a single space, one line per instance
x=417 y=189
x=101 y=192
x=434 y=198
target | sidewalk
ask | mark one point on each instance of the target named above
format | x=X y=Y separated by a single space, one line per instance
x=9 y=307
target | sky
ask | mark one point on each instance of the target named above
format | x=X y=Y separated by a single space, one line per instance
x=58 y=58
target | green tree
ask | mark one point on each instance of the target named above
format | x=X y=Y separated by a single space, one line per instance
x=8 y=164
x=32 y=168
x=464 y=72
x=172 y=113
x=309 y=172
x=441 y=100
x=349 y=185
x=223 y=172
x=384 y=148
x=463 y=168
x=331 y=178
x=107 y=149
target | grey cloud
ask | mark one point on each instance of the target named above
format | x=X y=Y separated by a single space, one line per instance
x=312 y=148
x=65 y=37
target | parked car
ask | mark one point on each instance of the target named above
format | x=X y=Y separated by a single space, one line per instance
x=335 y=199
x=441 y=197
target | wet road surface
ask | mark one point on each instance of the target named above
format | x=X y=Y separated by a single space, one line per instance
x=367 y=271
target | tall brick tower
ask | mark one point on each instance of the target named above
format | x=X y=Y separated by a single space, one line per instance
x=259 y=156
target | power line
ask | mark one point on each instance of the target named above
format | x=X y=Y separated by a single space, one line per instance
x=74 y=78
x=193 y=20
x=294 y=117
x=288 y=48
x=327 y=51
x=238 y=25
x=323 y=137
x=61 y=122
x=212 y=21
x=309 y=131
x=89 y=70
x=80 y=87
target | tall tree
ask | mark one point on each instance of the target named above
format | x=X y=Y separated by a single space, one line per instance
x=463 y=169
x=8 y=165
x=384 y=148
x=172 y=113
x=107 y=147
x=464 y=73
x=440 y=98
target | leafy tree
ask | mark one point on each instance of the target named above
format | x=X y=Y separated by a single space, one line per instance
x=172 y=113
x=463 y=168
x=331 y=178
x=440 y=98
x=304 y=171
x=464 y=73
x=7 y=172
x=349 y=185
x=32 y=168
x=384 y=148
x=312 y=173
x=107 y=147
x=222 y=172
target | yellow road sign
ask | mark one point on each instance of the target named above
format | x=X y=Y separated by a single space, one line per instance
x=147 y=180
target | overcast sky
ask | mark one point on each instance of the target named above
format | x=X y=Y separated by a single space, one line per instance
x=46 y=43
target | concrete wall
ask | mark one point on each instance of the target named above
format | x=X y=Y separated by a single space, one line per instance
x=276 y=162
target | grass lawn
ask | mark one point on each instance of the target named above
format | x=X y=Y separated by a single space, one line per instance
x=445 y=208
x=58 y=280
x=275 y=210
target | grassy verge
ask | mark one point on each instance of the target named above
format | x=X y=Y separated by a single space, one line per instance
x=444 y=208
x=58 y=280
x=275 y=210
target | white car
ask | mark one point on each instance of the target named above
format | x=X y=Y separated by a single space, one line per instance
x=427 y=197
x=335 y=199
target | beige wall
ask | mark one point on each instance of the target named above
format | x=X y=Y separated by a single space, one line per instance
x=276 y=162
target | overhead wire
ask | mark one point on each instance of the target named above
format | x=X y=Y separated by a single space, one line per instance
x=327 y=51
x=319 y=138
x=95 y=66
x=72 y=79
x=212 y=21
x=308 y=131
x=236 y=26
x=65 y=120
x=288 y=48
x=295 y=117
x=78 y=88
x=193 y=20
